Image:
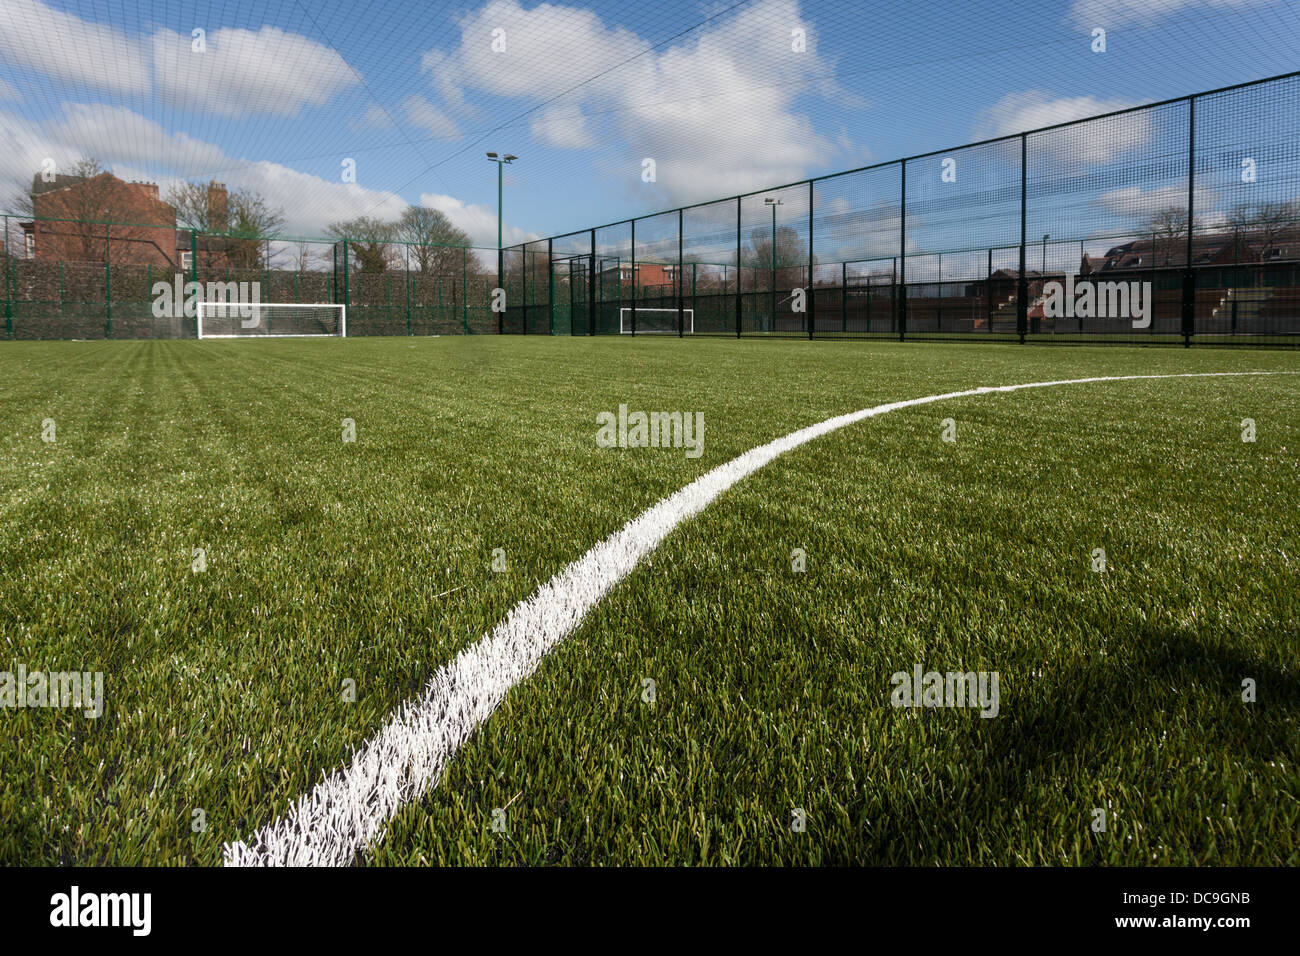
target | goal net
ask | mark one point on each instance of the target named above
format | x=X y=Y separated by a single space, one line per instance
x=231 y=320
x=655 y=321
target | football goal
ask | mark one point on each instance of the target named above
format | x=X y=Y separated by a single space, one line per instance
x=655 y=321
x=232 y=320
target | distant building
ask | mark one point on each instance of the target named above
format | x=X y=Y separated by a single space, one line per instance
x=648 y=274
x=144 y=231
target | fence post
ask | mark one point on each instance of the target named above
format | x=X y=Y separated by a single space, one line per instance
x=988 y=293
x=1022 y=287
x=739 y=274
x=844 y=296
x=464 y=289
x=1189 y=275
x=900 y=280
x=681 y=306
x=9 y=299
x=592 y=279
x=408 y=290
x=108 y=277
x=550 y=287
x=811 y=304
x=633 y=283
x=940 y=291
x=346 y=271
x=871 y=293
x=1236 y=275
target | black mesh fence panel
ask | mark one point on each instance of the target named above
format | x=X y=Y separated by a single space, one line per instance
x=654 y=286
x=857 y=239
x=537 y=287
x=959 y=204
x=1107 y=208
x=1177 y=222
x=511 y=320
x=709 y=273
x=571 y=266
x=774 y=272
x=613 y=276
x=1248 y=181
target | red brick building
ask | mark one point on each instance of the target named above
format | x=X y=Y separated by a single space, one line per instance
x=147 y=236
x=72 y=212
x=648 y=274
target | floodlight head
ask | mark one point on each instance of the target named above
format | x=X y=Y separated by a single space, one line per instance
x=492 y=155
x=509 y=158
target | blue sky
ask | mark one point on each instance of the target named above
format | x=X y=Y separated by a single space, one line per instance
x=282 y=93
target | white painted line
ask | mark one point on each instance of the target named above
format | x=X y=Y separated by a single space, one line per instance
x=348 y=810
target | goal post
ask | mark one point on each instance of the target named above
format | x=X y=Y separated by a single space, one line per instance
x=261 y=320
x=655 y=321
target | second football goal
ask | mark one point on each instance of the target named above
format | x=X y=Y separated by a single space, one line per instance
x=655 y=321
x=232 y=320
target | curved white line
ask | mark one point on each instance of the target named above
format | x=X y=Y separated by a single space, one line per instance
x=347 y=811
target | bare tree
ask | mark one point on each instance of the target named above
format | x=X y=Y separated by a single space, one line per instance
x=304 y=254
x=244 y=218
x=434 y=243
x=790 y=262
x=369 y=239
x=1168 y=230
x=1260 y=228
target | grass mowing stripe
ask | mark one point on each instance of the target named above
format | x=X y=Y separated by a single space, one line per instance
x=348 y=810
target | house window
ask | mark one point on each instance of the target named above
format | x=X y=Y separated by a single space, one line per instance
x=31 y=245
x=187 y=260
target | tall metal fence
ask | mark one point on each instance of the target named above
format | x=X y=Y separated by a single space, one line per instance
x=1176 y=222
x=71 y=279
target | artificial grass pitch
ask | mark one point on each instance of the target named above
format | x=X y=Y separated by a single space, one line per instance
x=338 y=575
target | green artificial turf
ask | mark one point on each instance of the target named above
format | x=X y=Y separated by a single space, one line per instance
x=371 y=561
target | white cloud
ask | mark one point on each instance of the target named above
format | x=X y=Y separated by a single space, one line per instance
x=24 y=150
x=312 y=203
x=374 y=118
x=240 y=72
x=123 y=141
x=136 y=148
x=1114 y=13
x=115 y=133
x=268 y=71
x=66 y=48
x=424 y=115
x=478 y=221
x=659 y=104
x=563 y=127
x=1018 y=112
x=7 y=92
x=1137 y=205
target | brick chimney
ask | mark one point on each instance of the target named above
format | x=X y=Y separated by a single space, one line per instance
x=218 y=207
